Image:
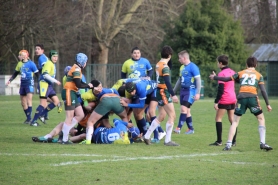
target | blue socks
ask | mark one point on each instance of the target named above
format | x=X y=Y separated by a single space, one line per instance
x=39 y=111
x=182 y=120
x=47 y=109
x=189 y=123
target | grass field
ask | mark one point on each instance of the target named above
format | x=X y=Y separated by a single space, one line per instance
x=194 y=162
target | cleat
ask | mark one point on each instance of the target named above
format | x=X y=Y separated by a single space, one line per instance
x=227 y=148
x=138 y=140
x=46 y=118
x=42 y=119
x=54 y=140
x=34 y=124
x=265 y=147
x=216 y=144
x=177 y=131
x=234 y=144
x=42 y=139
x=85 y=142
x=155 y=141
x=35 y=139
x=66 y=142
x=59 y=106
x=27 y=122
x=171 y=143
x=189 y=131
x=161 y=135
x=147 y=141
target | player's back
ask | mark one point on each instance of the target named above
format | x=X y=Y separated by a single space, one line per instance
x=229 y=95
x=103 y=135
x=74 y=72
x=249 y=80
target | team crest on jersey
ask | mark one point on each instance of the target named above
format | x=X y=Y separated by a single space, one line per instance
x=141 y=66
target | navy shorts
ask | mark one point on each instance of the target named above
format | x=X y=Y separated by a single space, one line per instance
x=24 y=90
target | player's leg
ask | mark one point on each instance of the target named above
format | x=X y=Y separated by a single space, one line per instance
x=255 y=108
x=29 y=97
x=104 y=106
x=55 y=101
x=230 y=112
x=188 y=102
x=23 y=100
x=43 y=103
x=232 y=131
x=140 y=120
x=74 y=113
x=170 y=110
x=183 y=110
x=182 y=118
x=218 y=124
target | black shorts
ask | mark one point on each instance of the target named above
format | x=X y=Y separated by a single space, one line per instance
x=227 y=106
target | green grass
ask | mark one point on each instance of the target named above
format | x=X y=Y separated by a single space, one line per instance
x=24 y=162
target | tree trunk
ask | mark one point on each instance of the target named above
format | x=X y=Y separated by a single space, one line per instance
x=101 y=70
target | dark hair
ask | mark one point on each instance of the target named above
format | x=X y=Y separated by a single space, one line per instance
x=40 y=45
x=223 y=59
x=121 y=91
x=135 y=48
x=95 y=83
x=166 y=51
x=129 y=87
x=251 y=62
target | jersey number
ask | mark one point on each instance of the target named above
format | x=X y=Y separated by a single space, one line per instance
x=248 y=79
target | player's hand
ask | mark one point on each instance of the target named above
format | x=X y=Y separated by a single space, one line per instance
x=216 y=106
x=175 y=99
x=8 y=82
x=91 y=85
x=197 y=97
x=269 y=109
x=123 y=103
x=211 y=76
x=58 y=82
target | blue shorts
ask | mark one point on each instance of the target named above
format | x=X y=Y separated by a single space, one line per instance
x=24 y=90
x=46 y=90
x=187 y=95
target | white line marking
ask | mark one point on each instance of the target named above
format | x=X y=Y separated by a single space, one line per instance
x=50 y=155
x=140 y=158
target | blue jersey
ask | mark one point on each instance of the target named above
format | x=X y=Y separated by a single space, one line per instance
x=107 y=91
x=103 y=135
x=48 y=68
x=143 y=89
x=41 y=61
x=139 y=67
x=26 y=69
x=188 y=73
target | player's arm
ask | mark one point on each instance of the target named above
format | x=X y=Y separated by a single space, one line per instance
x=168 y=85
x=224 y=79
x=13 y=76
x=150 y=73
x=178 y=85
x=124 y=71
x=220 y=92
x=123 y=75
x=264 y=94
x=198 y=84
x=141 y=104
x=79 y=84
